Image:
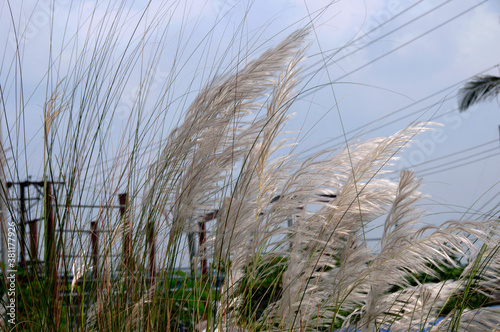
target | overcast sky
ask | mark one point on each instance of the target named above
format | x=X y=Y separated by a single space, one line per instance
x=393 y=62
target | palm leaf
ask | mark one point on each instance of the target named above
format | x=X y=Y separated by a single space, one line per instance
x=479 y=89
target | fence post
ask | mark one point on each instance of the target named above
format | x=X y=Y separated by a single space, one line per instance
x=127 y=236
x=51 y=257
x=50 y=243
x=33 y=226
x=152 y=250
x=192 y=253
x=202 y=239
x=22 y=207
x=94 y=240
x=4 y=193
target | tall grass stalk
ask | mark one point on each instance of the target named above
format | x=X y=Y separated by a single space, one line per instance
x=287 y=238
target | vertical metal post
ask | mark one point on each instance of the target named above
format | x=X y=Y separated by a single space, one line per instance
x=152 y=250
x=127 y=236
x=192 y=251
x=94 y=240
x=22 y=230
x=50 y=242
x=203 y=236
x=51 y=256
x=3 y=206
x=33 y=227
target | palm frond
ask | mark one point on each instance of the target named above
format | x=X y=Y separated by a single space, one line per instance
x=479 y=89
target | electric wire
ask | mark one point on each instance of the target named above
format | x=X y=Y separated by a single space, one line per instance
x=411 y=40
x=329 y=58
x=458 y=160
x=460 y=165
x=358 y=129
x=454 y=154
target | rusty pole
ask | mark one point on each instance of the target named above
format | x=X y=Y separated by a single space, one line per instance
x=33 y=226
x=127 y=236
x=202 y=239
x=94 y=240
x=204 y=268
x=50 y=241
x=152 y=250
x=51 y=257
x=22 y=207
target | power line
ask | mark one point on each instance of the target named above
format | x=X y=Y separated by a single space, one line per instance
x=460 y=165
x=358 y=39
x=458 y=160
x=359 y=130
x=411 y=40
x=370 y=62
x=404 y=44
x=325 y=62
x=455 y=153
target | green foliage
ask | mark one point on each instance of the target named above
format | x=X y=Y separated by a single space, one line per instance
x=473 y=300
x=34 y=301
x=182 y=302
x=261 y=285
x=443 y=273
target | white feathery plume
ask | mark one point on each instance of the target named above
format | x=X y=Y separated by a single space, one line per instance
x=332 y=199
x=364 y=279
x=413 y=306
x=201 y=153
x=322 y=238
x=472 y=320
x=485 y=265
x=417 y=254
x=78 y=268
x=380 y=274
x=244 y=227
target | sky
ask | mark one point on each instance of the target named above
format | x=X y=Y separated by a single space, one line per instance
x=376 y=66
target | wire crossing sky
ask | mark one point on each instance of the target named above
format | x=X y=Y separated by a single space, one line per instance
x=389 y=63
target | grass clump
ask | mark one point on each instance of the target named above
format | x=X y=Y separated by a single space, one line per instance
x=287 y=242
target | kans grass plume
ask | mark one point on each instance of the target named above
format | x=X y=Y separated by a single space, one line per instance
x=225 y=163
x=230 y=158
